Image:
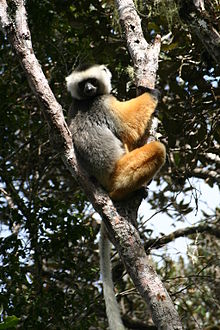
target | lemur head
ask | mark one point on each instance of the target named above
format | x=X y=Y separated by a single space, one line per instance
x=89 y=81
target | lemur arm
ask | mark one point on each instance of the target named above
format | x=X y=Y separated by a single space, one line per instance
x=134 y=116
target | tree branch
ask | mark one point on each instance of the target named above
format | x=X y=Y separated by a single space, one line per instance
x=211 y=157
x=122 y=233
x=206 y=174
x=156 y=243
x=144 y=55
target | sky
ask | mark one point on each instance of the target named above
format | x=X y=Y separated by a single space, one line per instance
x=161 y=223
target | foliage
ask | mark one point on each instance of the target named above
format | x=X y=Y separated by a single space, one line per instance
x=10 y=322
x=49 y=273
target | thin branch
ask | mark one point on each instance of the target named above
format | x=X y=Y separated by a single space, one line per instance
x=206 y=174
x=211 y=157
x=15 y=226
x=15 y=199
x=8 y=198
x=15 y=152
x=155 y=243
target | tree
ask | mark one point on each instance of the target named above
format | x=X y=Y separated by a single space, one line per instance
x=28 y=189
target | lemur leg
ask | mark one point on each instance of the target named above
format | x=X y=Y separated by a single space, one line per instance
x=136 y=168
x=133 y=116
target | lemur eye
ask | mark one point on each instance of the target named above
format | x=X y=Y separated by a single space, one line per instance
x=105 y=69
x=93 y=81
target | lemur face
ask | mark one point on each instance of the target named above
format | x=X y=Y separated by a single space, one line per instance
x=90 y=82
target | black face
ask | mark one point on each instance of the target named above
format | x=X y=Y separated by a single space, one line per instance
x=88 y=88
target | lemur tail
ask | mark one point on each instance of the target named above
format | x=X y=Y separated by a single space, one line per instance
x=112 y=308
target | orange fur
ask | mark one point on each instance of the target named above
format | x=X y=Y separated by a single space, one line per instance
x=126 y=148
x=133 y=116
x=135 y=169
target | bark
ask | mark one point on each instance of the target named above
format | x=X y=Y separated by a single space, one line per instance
x=121 y=231
x=144 y=55
x=203 y=23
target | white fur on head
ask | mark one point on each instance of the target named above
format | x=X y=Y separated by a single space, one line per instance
x=99 y=72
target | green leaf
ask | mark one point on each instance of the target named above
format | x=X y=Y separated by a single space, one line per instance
x=9 y=322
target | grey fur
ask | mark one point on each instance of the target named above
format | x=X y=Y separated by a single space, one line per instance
x=95 y=138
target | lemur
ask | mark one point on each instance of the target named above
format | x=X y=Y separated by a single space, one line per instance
x=106 y=133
